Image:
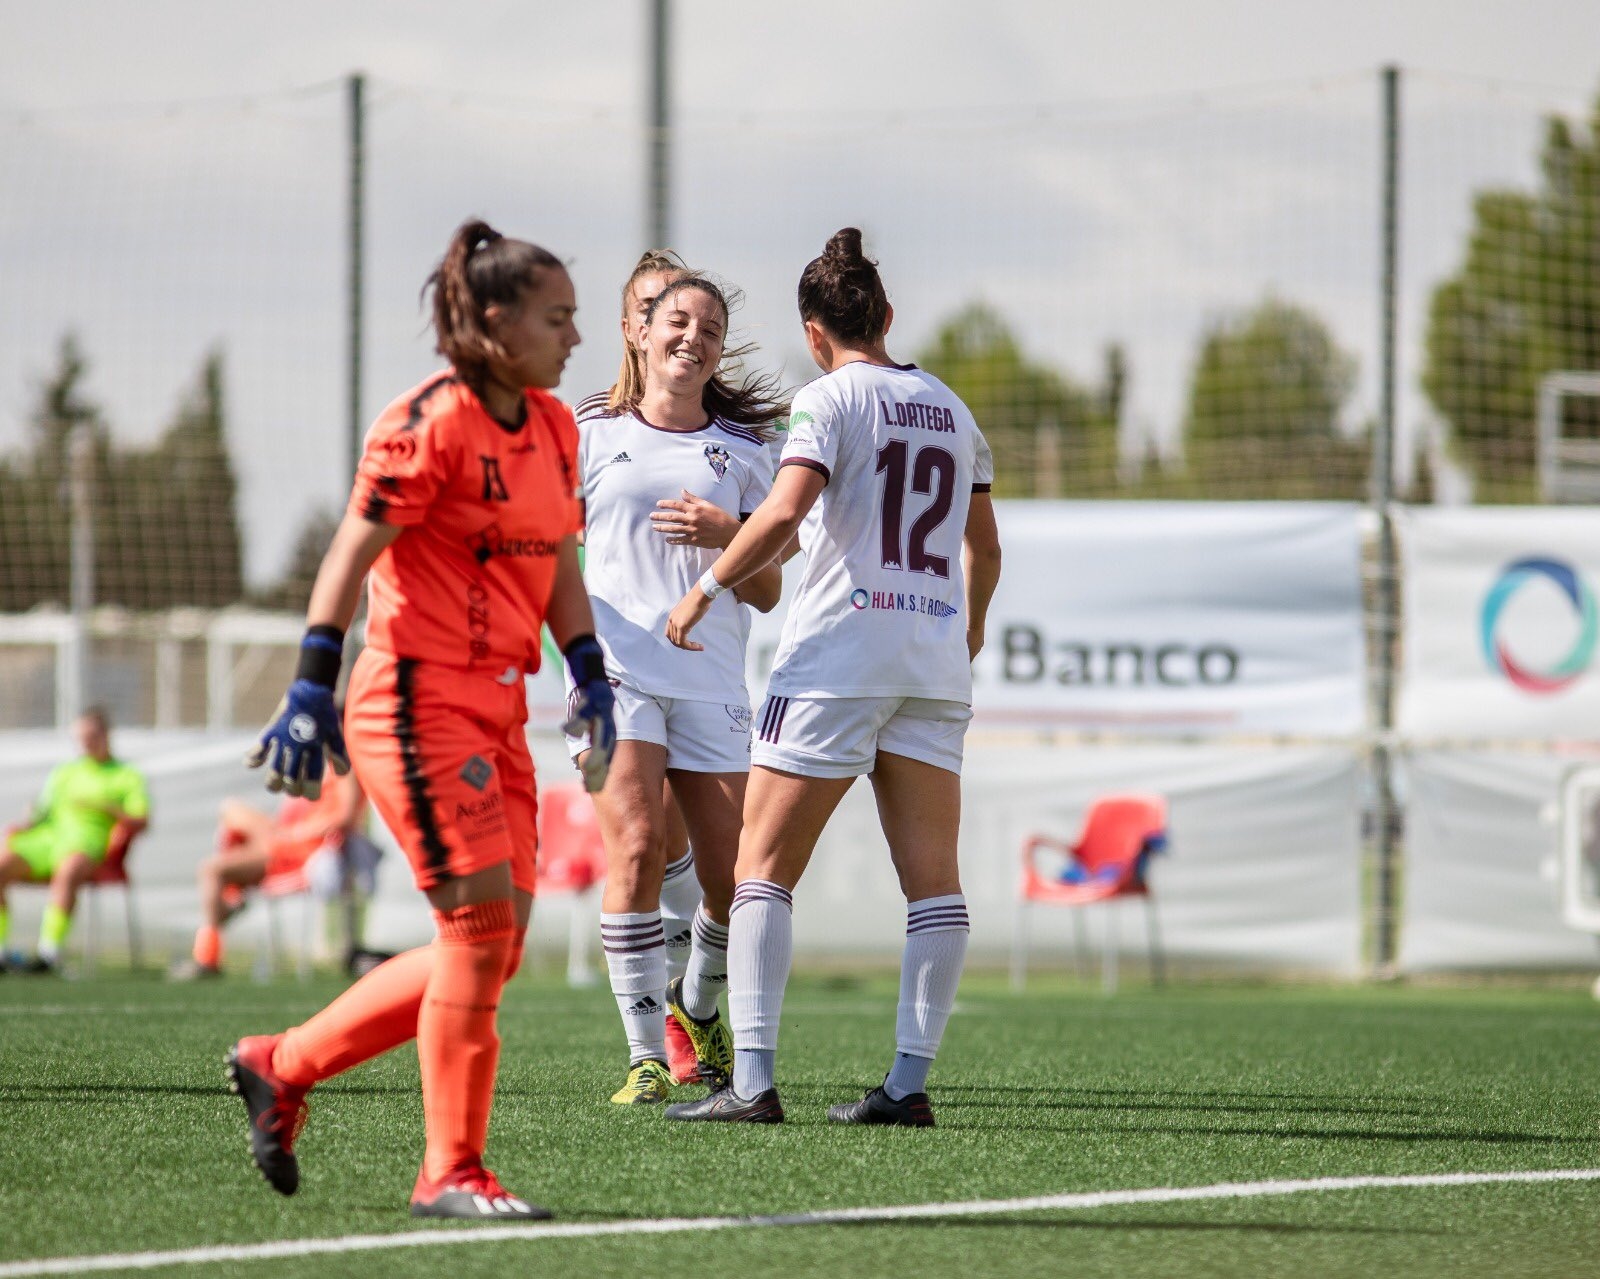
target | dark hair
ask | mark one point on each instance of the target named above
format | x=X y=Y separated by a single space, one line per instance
x=480 y=268
x=630 y=378
x=842 y=291
x=756 y=401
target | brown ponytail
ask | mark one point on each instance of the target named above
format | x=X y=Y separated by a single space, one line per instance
x=842 y=291
x=480 y=268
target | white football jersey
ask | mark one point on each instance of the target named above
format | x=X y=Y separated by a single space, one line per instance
x=881 y=609
x=635 y=576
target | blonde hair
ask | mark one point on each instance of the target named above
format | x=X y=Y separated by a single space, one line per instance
x=629 y=386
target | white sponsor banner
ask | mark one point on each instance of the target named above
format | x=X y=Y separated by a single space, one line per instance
x=1157 y=617
x=1500 y=622
x=1216 y=617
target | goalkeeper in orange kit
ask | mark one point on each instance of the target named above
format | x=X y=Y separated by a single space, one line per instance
x=464 y=509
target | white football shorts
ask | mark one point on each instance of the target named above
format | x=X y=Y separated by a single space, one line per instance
x=700 y=737
x=841 y=736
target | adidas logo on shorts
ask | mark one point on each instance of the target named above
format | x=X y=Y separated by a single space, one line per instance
x=622 y=457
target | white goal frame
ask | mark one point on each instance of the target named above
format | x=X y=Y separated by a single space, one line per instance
x=236 y=643
x=1578 y=825
x=1569 y=470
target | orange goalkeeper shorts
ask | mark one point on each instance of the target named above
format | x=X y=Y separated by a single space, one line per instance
x=443 y=756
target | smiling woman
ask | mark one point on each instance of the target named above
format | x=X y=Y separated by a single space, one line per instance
x=671 y=460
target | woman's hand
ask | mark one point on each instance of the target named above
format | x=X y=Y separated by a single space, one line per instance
x=693 y=521
x=686 y=614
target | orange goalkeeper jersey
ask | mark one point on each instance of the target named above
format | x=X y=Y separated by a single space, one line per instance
x=484 y=508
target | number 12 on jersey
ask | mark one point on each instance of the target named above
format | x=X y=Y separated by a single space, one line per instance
x=933 y=471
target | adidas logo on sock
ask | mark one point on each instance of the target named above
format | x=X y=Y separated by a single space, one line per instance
x=678 y=941
x=622 y=457
x=644 y=1007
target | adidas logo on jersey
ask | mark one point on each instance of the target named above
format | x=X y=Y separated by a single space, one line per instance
x=644 y=1007
x=622 y=457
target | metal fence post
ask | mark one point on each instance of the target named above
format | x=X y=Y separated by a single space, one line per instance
x=80 y=590
x=357 y=112
x=658 y=188
x=1386 y=816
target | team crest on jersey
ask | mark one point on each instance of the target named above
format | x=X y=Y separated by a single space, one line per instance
x=400 y=448
x=718 y=457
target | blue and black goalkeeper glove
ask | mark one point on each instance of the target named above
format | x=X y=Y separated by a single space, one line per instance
x=593 y=706
x=305 y=727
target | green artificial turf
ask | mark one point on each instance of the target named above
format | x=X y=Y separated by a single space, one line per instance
x=116 y=1134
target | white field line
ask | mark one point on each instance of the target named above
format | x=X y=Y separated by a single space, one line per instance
x=839 y=1216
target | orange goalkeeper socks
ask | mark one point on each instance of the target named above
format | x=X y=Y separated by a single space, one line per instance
x=457 y=1044
x=376 y=1014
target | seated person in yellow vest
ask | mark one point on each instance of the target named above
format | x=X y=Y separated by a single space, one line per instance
x=69 y=832
x=324 y=838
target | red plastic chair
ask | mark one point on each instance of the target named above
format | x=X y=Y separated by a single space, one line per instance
x=1110 y=860
x=113 y=873
x=572 y=860
x=277 y=889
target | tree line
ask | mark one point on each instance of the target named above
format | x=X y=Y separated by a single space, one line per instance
x=164 y=518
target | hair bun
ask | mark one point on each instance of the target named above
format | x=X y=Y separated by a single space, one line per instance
x=842 y=290
x=845 y=246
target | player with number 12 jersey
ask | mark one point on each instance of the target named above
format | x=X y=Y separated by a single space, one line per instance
x=902 y=457
x=885 y=477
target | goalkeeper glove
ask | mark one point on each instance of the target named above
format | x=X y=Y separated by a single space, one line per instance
x=593 y=705
x=305 y=727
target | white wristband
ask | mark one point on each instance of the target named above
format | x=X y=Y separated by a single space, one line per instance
x=710 y=585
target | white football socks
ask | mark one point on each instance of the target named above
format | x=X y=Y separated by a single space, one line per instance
x=930 y=970
x=636 y=957
x=680 y=895
x=707 y=974
x=760 y=951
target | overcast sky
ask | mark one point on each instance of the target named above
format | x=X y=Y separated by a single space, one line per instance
x=1098 y=172
x=914 y=54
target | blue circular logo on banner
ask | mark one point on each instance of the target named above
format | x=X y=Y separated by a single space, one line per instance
x=1495 y=651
